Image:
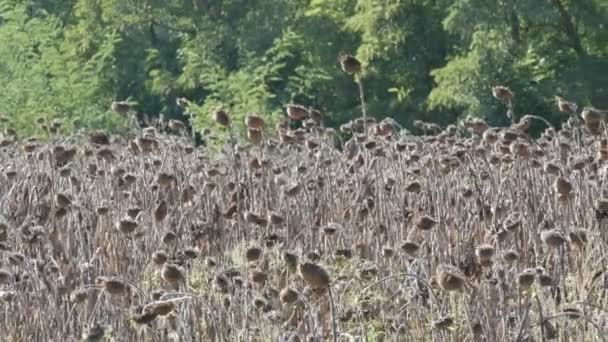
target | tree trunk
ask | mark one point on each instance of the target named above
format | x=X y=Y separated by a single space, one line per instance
x=569 y=28
x=512 y=20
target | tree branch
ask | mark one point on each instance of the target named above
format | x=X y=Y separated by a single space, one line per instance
x=570 y=29
x=172 y=28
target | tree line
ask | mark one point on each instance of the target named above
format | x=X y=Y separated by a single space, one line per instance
x=432 y=60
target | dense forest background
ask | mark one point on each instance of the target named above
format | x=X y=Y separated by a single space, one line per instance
x=434 y=60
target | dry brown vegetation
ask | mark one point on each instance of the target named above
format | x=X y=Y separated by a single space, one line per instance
x=486 y=235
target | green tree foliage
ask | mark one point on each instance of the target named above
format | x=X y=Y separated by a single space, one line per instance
x=434 y=60
x=41 y=75
x=538 y=48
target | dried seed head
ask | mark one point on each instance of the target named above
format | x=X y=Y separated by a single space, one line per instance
x=226 y=302
x=297 y=112
x=368 y=272
x=508 y=136
x=545 y=280
x=476 y=126
x=259 y=277
x=601 y=205
x=256 y=219
x=551 y=168
x=63 y=200
x=230 y=211
x=520 y=149
x=502 y=93
x=172 y=274
x=535 y=163
x=314 y=275
x=510 y=256
x=255 y=136
x=169 y=238
x=157 y=295
x=292 y=190
x=133 y=212
x=562 y=186
x=253 y=253
x=313 y=256
x=524 y=124
x=31 y=146
x=288 y=295
x=6 y=142
x=78 y=296
x=346 y=253
x=388 y=251
x=232 y=273
x=210 y=262
x=114 y=285
x=275 y=218
x=121 y=107
x=490 y=136
x=182 y=102
x=260 y=303
x=161 y=211
x=65 y=172
x=190 y=253
x=148 y=144
x=331 y=228
x=143 y=317
x=99 y=138
x=579 y=237
x=425 y=222
x=550 y=331
x=291 y=260
x=272 y=239
x=176 y=125
x=165 y=179
x=349 y=64
x=363 y=249
x=512 y=222
x=10 y=174
x=592 y=115
x=485 y=253
x=160 y=308
x=16 y=258
x=52 y=267
x=594 y=128
x=572 y=311
x=410 y=248
x=254 y=121
x=450 y=278
x=254 y=164
x=579 y=164
x=553 y=238
x=238 y=281
x=443 y=323
x=95 y=333
x=126 y=226
x=221 y=117
x=385 y=128
x=188 y=193
x=316 y=115
x=102 y=210
x=413 y=187
x=220 y=283
x=565 y=106
x=8 y=296
x=525 y=279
